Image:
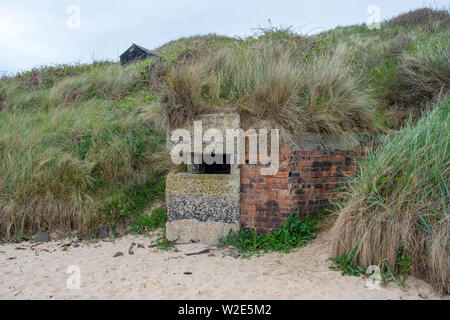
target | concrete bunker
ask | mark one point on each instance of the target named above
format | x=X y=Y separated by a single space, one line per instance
x=221 y=167
x=203 y=203
x=208 y=201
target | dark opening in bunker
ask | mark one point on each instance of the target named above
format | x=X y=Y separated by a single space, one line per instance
x=216 y=168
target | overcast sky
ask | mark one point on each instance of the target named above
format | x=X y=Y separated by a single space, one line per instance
x=34 y=33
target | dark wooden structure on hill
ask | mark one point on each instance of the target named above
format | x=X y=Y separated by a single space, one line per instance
x=135 y=53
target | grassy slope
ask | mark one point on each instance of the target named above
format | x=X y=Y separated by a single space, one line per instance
x=77 y=149
x=396 y=214
x=292 y=81
x=405 y=64
x=400 y=202
x=79 y=144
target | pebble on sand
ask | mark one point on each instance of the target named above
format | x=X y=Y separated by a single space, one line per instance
x=42 y=237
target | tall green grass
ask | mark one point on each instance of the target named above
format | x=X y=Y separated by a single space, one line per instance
x=111 y=82
x=89 y=138
x=400 y=201
x=405 y=64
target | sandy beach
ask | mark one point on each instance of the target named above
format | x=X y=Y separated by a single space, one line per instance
x=40 y=271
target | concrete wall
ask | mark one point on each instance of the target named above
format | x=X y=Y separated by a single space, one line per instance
x=204 y=207
x=313 y=170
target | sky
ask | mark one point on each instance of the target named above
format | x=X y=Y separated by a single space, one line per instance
x=35 y=33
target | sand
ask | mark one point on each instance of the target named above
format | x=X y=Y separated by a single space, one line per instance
x=40 y=272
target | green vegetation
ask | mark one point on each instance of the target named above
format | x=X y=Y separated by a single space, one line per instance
x=135 y=197
x=404 y=63
x=293 y=233
x=84 y=145
x=346 y=80
x=147 y=223
x=79 y=151
x=270 y=79
x=396 y=212
x=431 y=18
x=163 y=244
x=347 y=263
x=400 y=201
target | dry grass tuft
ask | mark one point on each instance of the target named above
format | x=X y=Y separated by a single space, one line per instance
x=425 y=73
x=400 y=202
x=271 y=80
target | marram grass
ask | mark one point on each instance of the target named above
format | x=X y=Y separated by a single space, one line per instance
x=401 y=201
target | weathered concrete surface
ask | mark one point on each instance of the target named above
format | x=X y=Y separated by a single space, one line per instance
x=204 y=207
x=321 y=142
x=219 y=121
x=187 y=230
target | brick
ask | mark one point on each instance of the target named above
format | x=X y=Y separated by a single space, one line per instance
x=281 y=174
x=305 y=183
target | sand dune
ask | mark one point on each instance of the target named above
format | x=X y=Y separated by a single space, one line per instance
x=40 y=272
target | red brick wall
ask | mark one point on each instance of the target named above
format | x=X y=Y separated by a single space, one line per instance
x=304 y=184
